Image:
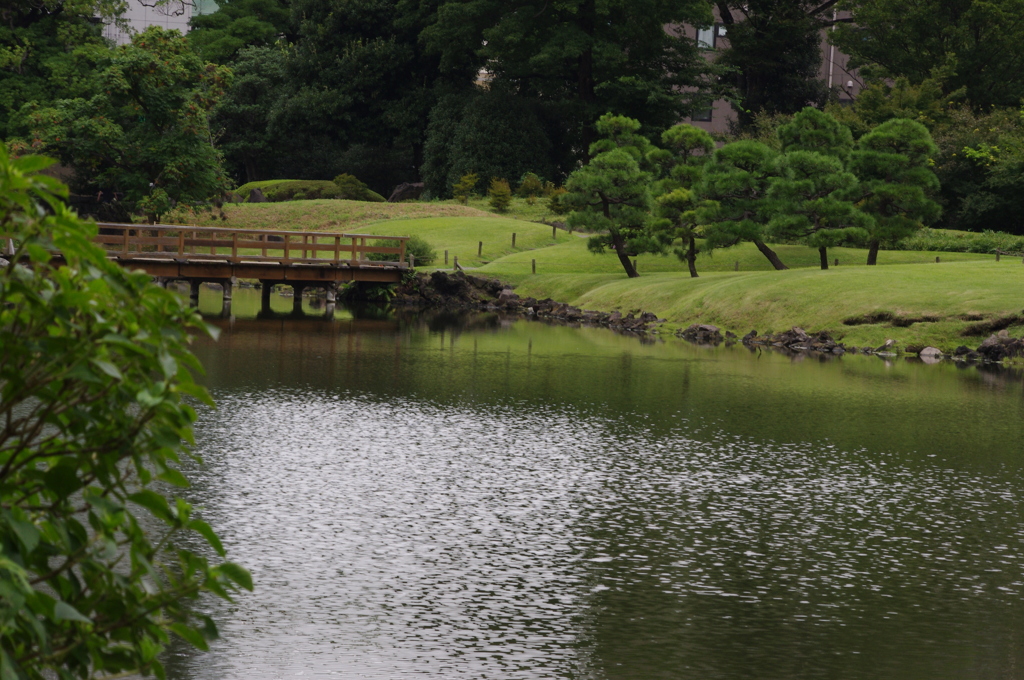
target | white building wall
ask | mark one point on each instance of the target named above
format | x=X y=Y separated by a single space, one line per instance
x=168 y=14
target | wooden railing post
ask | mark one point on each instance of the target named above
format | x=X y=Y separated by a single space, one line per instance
x=337 y=249
x=352 y=261
x=287 y=242
x=401 y=255
x=234 y=246
x=181 y=243
x=124 y=246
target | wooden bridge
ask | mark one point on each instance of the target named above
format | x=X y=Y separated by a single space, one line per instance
x=216 y=255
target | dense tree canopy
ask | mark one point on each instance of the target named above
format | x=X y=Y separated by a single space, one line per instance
x=219 y=36
x=582 y=58
x=979 y=42
x=41 y=46
x=140 y=132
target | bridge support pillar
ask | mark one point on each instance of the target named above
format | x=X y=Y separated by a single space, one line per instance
x=227 y=286
x=193 y=292
x=297 y=290
x=266 y=287
x=331 y=290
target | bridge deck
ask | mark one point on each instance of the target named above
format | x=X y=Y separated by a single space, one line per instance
x=214 y=253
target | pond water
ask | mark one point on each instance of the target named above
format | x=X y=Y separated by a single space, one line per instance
x=474 y=497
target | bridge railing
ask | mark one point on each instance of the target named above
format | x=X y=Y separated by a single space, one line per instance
x=177 y=242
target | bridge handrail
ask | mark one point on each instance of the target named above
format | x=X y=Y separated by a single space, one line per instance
x=190 y=242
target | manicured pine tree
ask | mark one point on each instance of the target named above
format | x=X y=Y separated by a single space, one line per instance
x=896 y=182
x=611 y=194
x=686 y=149
x=810 y=200
x=732 y=192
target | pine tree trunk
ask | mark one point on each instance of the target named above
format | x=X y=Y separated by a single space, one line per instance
x=770 y=254
x=873 y=252
x=691 y=257
x=619 y=244
x=823 y=253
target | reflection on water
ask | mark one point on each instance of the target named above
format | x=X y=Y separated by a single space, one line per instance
x=501 y=499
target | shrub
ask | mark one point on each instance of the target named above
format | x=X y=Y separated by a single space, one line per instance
x=555 y=203
x=465 y=187
x=530 y=187
x=416 y=246
x=352 y=189
x=97 y=566
x=500 y=194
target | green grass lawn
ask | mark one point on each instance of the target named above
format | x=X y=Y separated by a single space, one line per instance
x=572 y=257
x=810 y=298
x=461 y=237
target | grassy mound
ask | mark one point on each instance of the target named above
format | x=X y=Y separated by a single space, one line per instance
x=320 y=215
x=944 y=305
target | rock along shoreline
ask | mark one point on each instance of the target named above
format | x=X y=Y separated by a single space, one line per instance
x=461 y=291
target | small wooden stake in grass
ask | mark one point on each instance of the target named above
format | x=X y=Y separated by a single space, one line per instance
x=513 y=239
x=936 y=260
x=837 y=262
x=412 y=261
x=446 y=258
x=737 y=266
x=997 y=256
x=480 y=249
x=554 y=229
x=533 y=266
x=456 y=265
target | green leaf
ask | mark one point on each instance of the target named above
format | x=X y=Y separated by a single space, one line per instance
x=172 y=476
x=153 y=502
x=108 y=368
x=7 y=668
x=63 y=479
x=62 y=611
x=204 y=529
x=27 y=533
x=238 y=574
x=168 y=364
x=190 y=635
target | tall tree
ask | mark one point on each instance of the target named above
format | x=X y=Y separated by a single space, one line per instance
x=142 y=132
x=361 y=75
x=775 y=53
x=896 y=181
x=980 y=43
x=611 y=194
x=244 y=118
x=583 y=58
x=732 y=193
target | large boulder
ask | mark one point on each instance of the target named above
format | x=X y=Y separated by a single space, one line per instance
x=406 y=191
x=256 y=196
